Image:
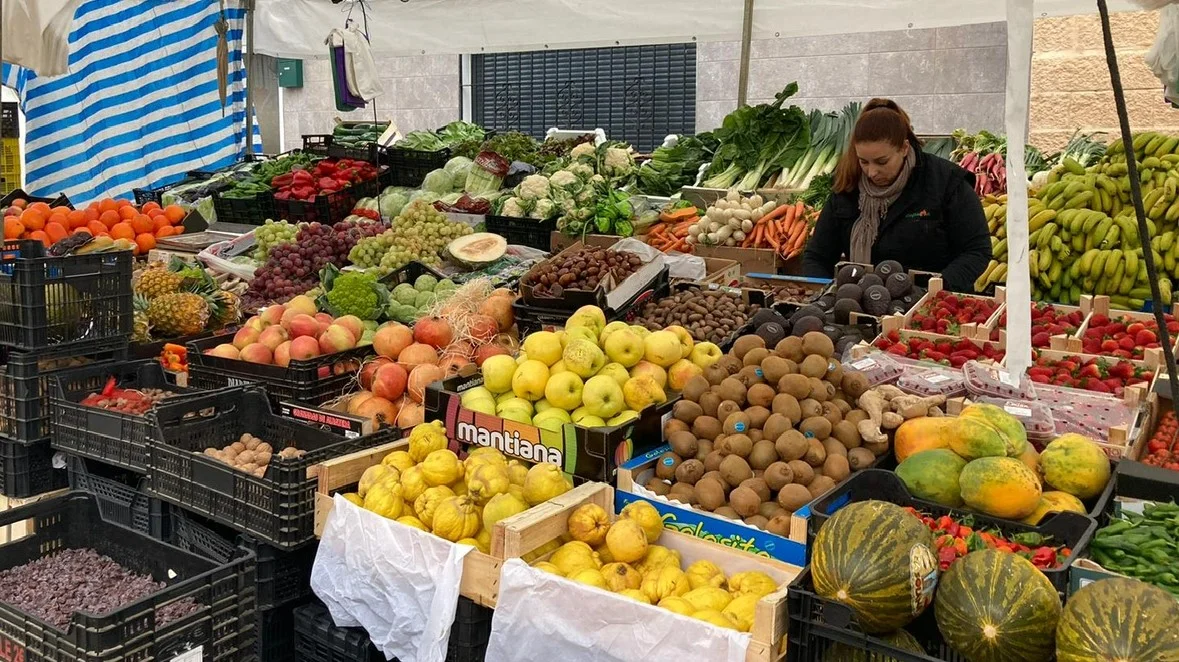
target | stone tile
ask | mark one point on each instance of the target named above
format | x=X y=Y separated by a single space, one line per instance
x=924 y=113
x=715 y=51
x=1095 y=110
x=710 y=114
x=418 y=65
x=1083 y=31
x=717 y=80
x=426 y=119
x=421 y=92
x=971 y=70
x=897 y=40
x=833 y=76
x=972 y=112
x=825 y=104
x=316 y=70
x=903 y=73
x=971 y=36
x=826 y=45
x=1070 y=72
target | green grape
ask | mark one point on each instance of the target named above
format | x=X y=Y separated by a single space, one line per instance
x=271 y=234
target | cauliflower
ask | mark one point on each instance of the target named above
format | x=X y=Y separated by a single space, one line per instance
x=587 y=197
x=618 y=162
x=563 y=179
x=597 y=179
x=514 y=208
x=582 y=150
x=355 y=293
x=534 y=187
x=544 y=208
x=581 y=170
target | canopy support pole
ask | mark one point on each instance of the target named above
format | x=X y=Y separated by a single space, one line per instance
x=746 y=43
x=249 y=7
x=1020 y=25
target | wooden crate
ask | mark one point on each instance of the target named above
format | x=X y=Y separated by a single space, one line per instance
x=1073 y=343
x=895 y=323
x=18 y=530
x=968 y=330
x=529 y=530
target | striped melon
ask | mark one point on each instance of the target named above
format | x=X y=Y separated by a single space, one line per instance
x=994 y=606
x=873 y=557
x=1119 y=619
x=900 y=639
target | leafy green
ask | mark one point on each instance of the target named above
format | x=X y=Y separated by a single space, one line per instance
x=513 y=146
x=672 y=168
x=756 y=140
x=829 y=137
x=613 y=213
x=422 y=141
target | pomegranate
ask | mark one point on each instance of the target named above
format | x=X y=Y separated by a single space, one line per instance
x=389 y=381
x=433 y=331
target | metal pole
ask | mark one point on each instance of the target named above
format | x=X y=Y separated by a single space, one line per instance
x=249 y=6
x=746 y=39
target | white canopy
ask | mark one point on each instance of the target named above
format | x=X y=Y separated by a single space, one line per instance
x=36 y=34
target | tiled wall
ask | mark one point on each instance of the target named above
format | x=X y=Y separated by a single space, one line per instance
x=944 y=78
x=421 y=92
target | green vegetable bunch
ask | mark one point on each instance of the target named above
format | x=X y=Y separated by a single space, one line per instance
x=352 y=293
x=513 y=146
x=755 y=141
x=672 y=168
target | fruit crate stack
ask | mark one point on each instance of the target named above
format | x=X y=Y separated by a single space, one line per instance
x=60 y=312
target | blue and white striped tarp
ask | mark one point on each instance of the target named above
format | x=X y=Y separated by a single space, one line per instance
x=140 y=104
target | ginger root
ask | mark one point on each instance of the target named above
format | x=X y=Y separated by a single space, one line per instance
x=871 y=432
x=913 y=406
x=891 y=420
x=875 y=404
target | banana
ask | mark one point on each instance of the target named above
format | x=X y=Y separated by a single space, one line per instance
x=1152 y=162
x=1073 y=189
x=1131 y=258
x=1111 y=237
x=1056 y=245
x=1114 y=262
x=1167 y=147
x=1072 y=166
x=1091 y=221
x=981 y=283
x=1116 y=147
x=1114 y=281
x=1168 y=263
x=1045 y=235
x=1141 y=139
x=1079 y=200
x=1172 y=214
x=1155 y=142
x=1127 y=283
x=1033 y=263
x=1045 y=260
x=1098 y=267
x=1166 y=240
x=1085 y=264
x=1106 y=201
x=1078 y=243
x=1153 y=197
x=1000 y=273
x=1164 y=290
x=1000 y=249
x=1099 y=233
x=1074 y=295
x=1036 y=222
x=1074 y=271
x=1054 y=293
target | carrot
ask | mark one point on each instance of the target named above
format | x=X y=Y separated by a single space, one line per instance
x=799 y=208
x=776 y=213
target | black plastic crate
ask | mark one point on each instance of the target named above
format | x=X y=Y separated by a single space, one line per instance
x=408 y=274
x=523 y=231
x=276 y=634
x=530 y=319
x=26 y=385
x=101 y=434
x=156 y=194
x=223 y=624
x=244 y=211
x=9 y=120
x=319 y=639
x=60 y=201
x=410 y=166
x=470 y=632
x=317 y=143
x=121 y=496
x=62 y=301
x=330 y=208
x=27 y=469
x=325 y=144
x=311 y=381
x=277 y=508
x=1066 y=528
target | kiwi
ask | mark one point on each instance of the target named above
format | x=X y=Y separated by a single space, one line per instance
x=853 y=384
x=757 y=416
x=715 y=373
x=818 y=343
x=757 y=521
x=758 y=485
x=684 y=444
x=810 y=407
x=727 y=409
x=755 y=435
x=831 y=412
x=733 y=389
x=855 y=416
x=716 y=475
x=787 y=405
x=709 y=402
x=797 y=385
x=815 y=427
x=745 y=343
x=730 y=363
x=684 y=493
x=666 y=465
x=876 y=300
x=803 y=472
x=815 y=453
x=777 y=475
x=713 y=460
x=819 y=390
x=745 y=501
x=706 y=427
x=760 y=395
x=735 y=470
x=765 y=316
x=898 y=284
x=660 y=487
x=738 y=444
x=754 y=356
x=710 y=493
x=809 y=310
x=737 y=423
x=834 y=371
x=848 y=291
x=775 y=425
x=779 y=524
x=689 y=471
x=726 y=511
x=703 y=448
x=793 y=496
x=819 y=486
x=774 y=367
x=763 y=454
x=860 y=458
x=814 y=365
x=769 y=509
x=674 y=425
x=686 y=410
x=696 y=387
x=836 y=467
x=844 y=407
x=877 y=448
x=791 y=445
x=750 y=375
x=790 y=347
x=832 y=446
x=845 y=431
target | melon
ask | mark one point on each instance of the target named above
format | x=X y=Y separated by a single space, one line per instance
x=1075 y=464
x=1055 y=502
x=933 y=475
x=1000 y=486
x=973 y=439
x=994 y=606
x=901 y=639
x=1010 y=428
x=477 y=250
x=866 y=557
x=1119 y=619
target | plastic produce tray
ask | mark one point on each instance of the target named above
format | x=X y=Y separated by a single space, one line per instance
x=100 y=434
x=223 y=625
x=59 y=201
x=122 y=498
x=26 y=469
x=59 y=302
x=523 y=231
x=244 y=211
x=312 y=381
x=277 y=508
x=276 y=634
x=408 y=167
x=470 y=632
x=330 y=208
x=318 y=639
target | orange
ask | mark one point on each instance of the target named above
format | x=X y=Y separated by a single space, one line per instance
x=58 y=217
x=19 y=202
x=127 y=212
x=76 y=219
x=97 y=229
x=145 y=241
x=165 y=231
x=122 y=231
x=175 y=213
x=108 y=204
x=33 y=219
x=177 y=229
x=142 y=223
x=122 y=203
x=109 y=218
x=41 y=207
x=56 y=232
x=160 y=221
x=40 y=236
x=149 y=207
x=92 y=213
x=13 y=228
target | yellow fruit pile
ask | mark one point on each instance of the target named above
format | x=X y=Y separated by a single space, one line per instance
x=622 y=557
x=429 y=488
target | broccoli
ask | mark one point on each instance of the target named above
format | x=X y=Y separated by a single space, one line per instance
x=355 y=293
x=405 y=293
x=425 y=283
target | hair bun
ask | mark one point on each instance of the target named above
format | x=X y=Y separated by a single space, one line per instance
x=882 y=103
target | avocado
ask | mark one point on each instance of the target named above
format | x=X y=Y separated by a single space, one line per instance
x=849 y=291
x=876 y=300
x=772 y=333
x=888 y=268
x=899 y=284
x=869 y=280
x=848 y=273
x=826 y=302
x=808 y=310
x=845 y=306
x=806 y=324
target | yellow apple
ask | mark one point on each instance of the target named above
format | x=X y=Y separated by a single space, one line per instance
x=530 y=379
x=588 y=316
x=558 y=367
x=478 y=393
x=551 y=419
x=641 y=330
x=583 y=332
x=581 y=412
x=516 y=402
x=625 y=347
x=517 y=415
x=543 y=346
x=662 y=348
x=602 y=397
x=622 y=417
x=680 y=372
x=686 y=339
x=564 y=391
x=592 y=422
x=617 y=371
x=642 y=392
x=651 y=370
x=542 y=404
x=497 y=373
x=481 y=405
x=705 y=354
x=611 y=328
x=583 y=358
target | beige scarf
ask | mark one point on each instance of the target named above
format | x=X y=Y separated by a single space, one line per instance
x=874 y=202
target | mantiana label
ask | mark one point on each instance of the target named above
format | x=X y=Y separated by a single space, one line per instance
x=518 y=440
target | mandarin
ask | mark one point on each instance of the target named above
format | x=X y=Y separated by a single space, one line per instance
x=40 y=236
x=122 y=231
x=13 y=228
x=97 y=229
x=145 y=241
x=56 y=232
x=127 y=212
x=175 y=213
x=108 y=204
x=142 y=223
x=32 y=219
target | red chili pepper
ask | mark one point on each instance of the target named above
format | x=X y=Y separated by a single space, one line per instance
x=109 y=389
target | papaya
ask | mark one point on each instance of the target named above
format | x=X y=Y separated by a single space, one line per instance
x=1015 y=435
x=1055 y=502
x=933 y=475
x=973 y=439
x=1000 y=486
x=920 y=434
x=1031 y=458
x=1075 y=464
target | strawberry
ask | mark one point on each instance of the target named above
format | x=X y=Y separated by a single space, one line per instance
x=1041 y=339
x=1109 y=345
x=1143 y=336
x=1127 y=343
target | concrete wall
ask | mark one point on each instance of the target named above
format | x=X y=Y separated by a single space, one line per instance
x=1070 y=79
x=421 y=92
x=944 y=78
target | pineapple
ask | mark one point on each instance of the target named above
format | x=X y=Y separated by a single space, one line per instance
x=226 y=308
x=140 y=325
x=178 y=314
x=156 y=280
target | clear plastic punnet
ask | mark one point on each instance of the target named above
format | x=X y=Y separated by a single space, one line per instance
x=878 y=367
x=997 y=382
x=1035 y=415
x=1087 y=413
x=933 y=381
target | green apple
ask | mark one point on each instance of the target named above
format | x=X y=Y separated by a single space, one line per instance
x=581 y=412
x=686 y=339
x=625 y=347
x=650 y=370
x=611 y=328
x=481 y=405
x=552 y=419
x=515 y=402
x=622 y=417
x=543 y=404
x=589 y=317
x=680 y=372
x=497 y=373
x=583 y=332
x=530 y=379
x=641 y=330
x=592 y=422
x=544 y=346
x=602 y=397
x=617 y=371
x=705 y=354
x=662 y=348
x=478 y=393
x=642 y=392
x=564 y=391
x=517 y=415
x=594 y=313
x=583 y=358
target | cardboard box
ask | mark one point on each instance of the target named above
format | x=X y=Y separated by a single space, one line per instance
x=615 y=299
x=764 y=260
x=773 y=283
x=722 y=271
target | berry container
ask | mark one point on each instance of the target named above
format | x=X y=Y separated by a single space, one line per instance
x=877 y=367
x=933 y=381
x=994 y=381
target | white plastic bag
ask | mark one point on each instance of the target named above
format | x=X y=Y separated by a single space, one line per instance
x=399 y=583
x=212 y=257
x=685 y=267
x=540 y=616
